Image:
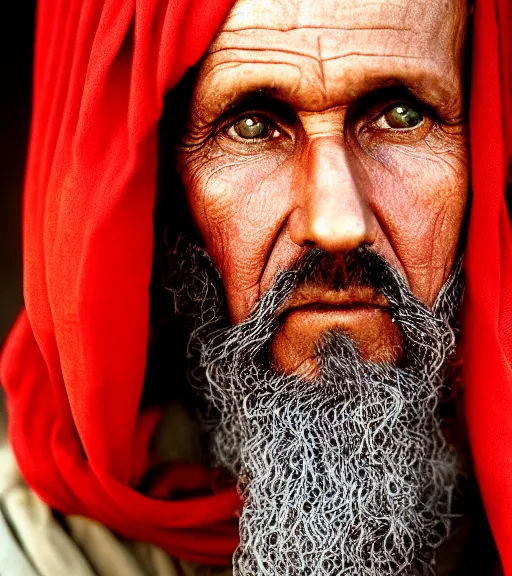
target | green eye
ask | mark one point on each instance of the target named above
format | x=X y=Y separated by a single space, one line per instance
x=251 y=127
x=401 y=116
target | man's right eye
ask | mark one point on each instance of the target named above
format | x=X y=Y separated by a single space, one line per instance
x=252 y=128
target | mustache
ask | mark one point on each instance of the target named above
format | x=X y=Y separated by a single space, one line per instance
x=356 y=278
x=199 y=295
x=366 y=271
x=361 y=267
x=361 y=272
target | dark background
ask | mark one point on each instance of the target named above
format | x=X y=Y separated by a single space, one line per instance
x=16 y=48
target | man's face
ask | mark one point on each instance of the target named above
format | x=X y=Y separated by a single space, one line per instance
x=334 y=124
x=325 y=165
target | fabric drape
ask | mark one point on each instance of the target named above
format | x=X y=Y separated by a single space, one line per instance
x=74 y=364
x=488 y=313
x=73 y=367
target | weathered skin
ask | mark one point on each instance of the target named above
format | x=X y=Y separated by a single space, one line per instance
x=328 y=170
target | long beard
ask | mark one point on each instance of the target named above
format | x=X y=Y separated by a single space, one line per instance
x=349 y=473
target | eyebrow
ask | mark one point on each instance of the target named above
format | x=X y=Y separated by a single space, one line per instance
x=263 y=98
x=271 y=98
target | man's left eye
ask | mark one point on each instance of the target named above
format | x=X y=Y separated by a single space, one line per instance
x=253 y=128
x=399 y=117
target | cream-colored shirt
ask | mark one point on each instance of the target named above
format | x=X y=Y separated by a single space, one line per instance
x=34 y=543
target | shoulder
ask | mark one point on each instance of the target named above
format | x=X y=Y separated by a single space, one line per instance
x=33 y=542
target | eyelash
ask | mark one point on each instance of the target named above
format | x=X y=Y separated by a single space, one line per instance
x=368 y=116
x=230 y=125
x=389 y=107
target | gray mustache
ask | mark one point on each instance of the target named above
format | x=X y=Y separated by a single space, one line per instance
x=361 y=267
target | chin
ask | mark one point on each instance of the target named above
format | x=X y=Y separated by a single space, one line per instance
x=294 y=349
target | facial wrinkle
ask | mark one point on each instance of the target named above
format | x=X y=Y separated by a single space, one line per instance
x=351 y=15
x=291 y=81
x=396 y=174
x=321 y=66
x=322 y=28
x=339 y=41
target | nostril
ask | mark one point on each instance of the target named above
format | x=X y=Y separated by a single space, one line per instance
x=334 y=231
x=339 y=232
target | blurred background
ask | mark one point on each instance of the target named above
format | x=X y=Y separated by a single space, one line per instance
x=15 y=102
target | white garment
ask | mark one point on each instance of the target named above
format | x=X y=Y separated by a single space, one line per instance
x=34 y=543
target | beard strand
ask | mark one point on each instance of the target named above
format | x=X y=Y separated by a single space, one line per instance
x=349 y=473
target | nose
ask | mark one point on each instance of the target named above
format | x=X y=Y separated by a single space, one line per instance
x=331 y=213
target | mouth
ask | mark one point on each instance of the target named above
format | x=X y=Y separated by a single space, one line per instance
x=362 y=314
x=355 y=318
x=327 y=308
x=336 y=301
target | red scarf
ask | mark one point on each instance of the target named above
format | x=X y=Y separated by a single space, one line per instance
x=74 y=364
x=488 y=312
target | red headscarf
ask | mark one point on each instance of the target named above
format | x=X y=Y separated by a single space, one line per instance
x=488 y=313
x=74 y=364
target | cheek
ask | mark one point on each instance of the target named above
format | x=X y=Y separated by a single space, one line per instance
x=239 y=206
x=419 y=198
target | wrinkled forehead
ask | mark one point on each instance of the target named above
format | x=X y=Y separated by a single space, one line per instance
x=418 y=17
x=322 y=53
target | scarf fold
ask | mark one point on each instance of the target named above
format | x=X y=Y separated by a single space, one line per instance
x=73 y=367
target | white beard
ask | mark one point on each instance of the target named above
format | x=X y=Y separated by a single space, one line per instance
x=348 y=474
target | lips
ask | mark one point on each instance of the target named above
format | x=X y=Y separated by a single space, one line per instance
x=362 y=313
x=316 y=299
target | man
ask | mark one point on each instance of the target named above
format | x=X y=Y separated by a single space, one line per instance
x=324 y=163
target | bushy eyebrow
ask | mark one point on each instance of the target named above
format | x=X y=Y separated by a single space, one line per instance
x=272 y=98
x=263 y=99
x=266 y=101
